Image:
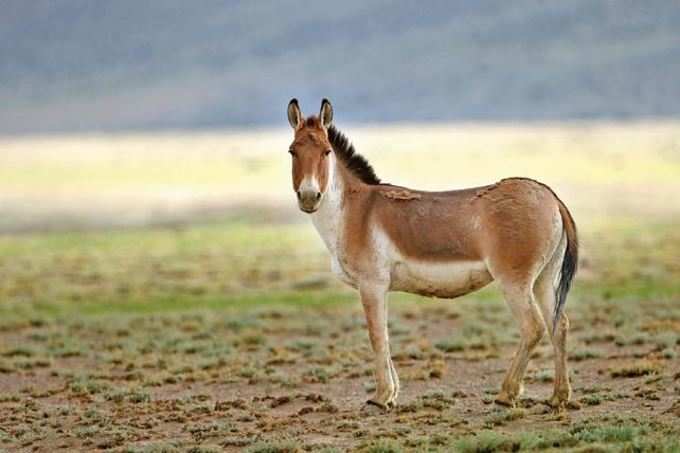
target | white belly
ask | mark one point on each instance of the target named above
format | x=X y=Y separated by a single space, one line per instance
x=439 y=279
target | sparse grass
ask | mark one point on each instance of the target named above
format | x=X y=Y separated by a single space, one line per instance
x=587 y=435
x=503 y=417
x=584 y=354
x=608 y=434
x=283 y=446
x=485 y=442
x=592 y=400
x=669 y=354
x=383 y=446
x=86 y=385
x=637 y=369
x=455 y=345
x=547 y=375
x=157 y=447
x=550 y=439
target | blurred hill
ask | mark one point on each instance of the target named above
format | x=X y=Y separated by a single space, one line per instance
x=79 y=65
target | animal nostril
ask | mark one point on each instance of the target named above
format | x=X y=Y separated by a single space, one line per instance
x=318 y=196
x=299 y=195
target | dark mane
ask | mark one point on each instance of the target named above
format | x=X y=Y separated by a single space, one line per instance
x=355 y=162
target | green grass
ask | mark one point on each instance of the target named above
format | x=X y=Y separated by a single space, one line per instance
x=590 y=436
x=206 y=267
x=225 y=265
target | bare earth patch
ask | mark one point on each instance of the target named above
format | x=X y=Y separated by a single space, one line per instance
x=262 y=376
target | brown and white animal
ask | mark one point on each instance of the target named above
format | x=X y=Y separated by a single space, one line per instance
x=385 y=238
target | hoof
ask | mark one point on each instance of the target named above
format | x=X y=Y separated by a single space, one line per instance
x=505 y=400
x=374 y=406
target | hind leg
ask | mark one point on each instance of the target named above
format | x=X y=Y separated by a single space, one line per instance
x=521 y=302
x=523 y=228
x=544 y=291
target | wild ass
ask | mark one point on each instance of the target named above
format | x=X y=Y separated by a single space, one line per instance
x=383 y=237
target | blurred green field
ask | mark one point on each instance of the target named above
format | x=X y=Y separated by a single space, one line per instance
x=227 y=331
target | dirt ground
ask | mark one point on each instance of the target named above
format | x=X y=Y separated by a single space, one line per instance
x=283 y=379
x=210 y=339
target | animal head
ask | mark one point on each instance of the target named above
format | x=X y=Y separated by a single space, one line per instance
x=311 y=153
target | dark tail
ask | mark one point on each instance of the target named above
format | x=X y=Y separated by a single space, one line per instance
x=569 y=264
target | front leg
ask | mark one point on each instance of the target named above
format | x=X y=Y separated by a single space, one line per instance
x=373 y=300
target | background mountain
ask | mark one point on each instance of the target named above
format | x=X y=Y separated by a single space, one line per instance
x=82 y=65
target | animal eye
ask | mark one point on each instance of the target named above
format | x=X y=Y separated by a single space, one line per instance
x=327 y=152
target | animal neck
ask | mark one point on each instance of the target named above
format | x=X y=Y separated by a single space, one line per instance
x=328 y=219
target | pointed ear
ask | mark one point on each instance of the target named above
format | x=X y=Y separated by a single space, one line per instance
x=294 y=114
x=326 y=113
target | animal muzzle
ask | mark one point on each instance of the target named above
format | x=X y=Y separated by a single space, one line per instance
x=309 y=200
